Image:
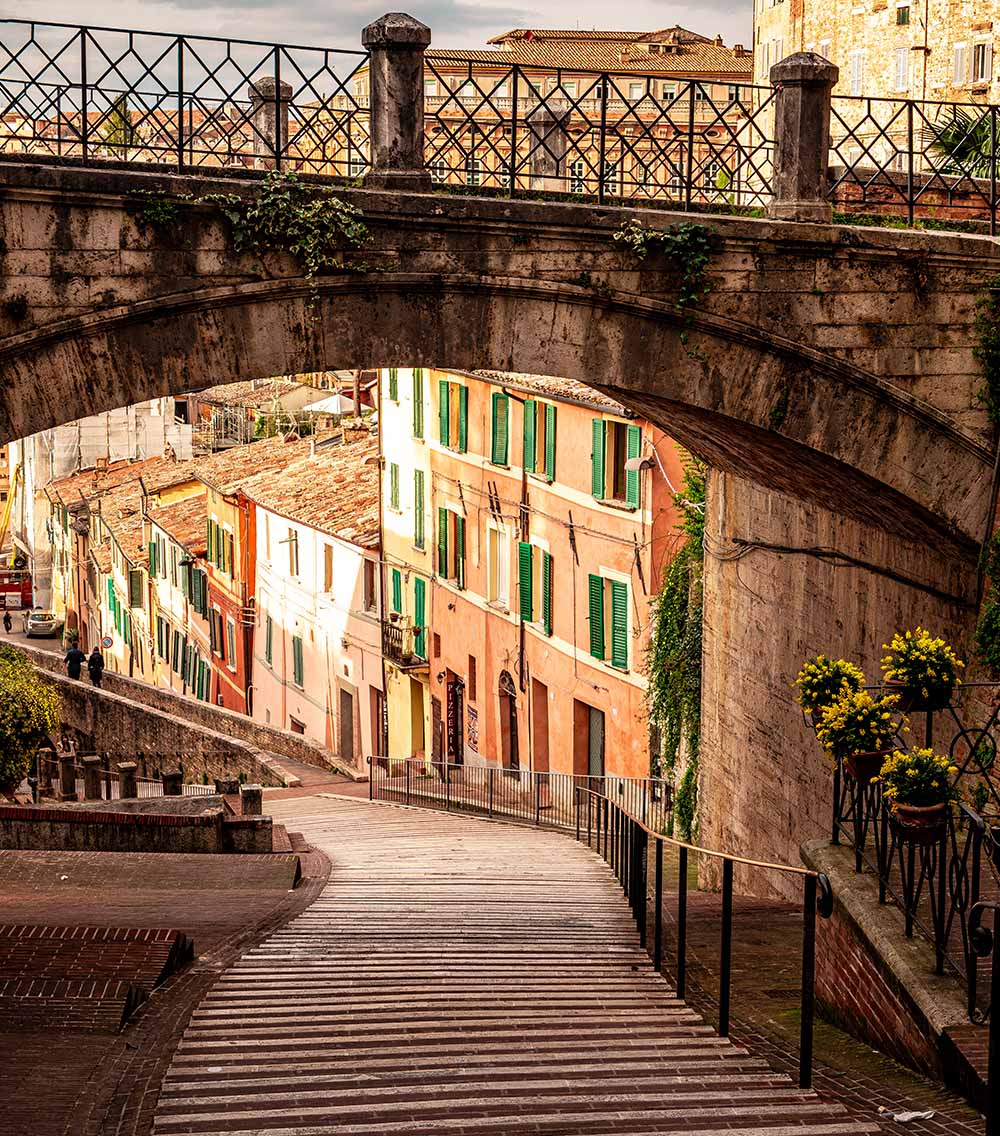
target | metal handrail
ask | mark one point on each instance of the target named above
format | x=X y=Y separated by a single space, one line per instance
x=625 y=848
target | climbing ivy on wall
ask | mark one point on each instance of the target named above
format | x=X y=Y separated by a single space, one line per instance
x=286 y=215
x=674 y=655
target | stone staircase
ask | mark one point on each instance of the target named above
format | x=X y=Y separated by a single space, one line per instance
x=460 y=977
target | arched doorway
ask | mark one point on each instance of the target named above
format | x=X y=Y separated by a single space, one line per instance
x=509 y=756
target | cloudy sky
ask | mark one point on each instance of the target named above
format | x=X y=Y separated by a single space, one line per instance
x=336 y=23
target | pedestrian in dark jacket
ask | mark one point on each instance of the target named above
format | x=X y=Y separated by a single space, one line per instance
x=8 y=623
x=95 y=664
x=75 y=659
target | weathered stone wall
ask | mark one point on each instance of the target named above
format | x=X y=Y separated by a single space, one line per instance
x=72 y=830
x=228 y=723
x=779 y=588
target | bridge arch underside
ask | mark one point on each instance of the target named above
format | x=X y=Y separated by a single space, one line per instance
x=773 y=413
x=843 y=509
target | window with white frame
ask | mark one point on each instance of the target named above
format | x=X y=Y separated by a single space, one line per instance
x=611 y=178
x=498 y=566
x=577 y=176
x=357 y=167
x=636 y=92
x=438 y=170
x=960 y=64
x=669 y=91
x=857 y=72
x=430 y=88
x=903 y=13
x=473 y=171
x=571 y=88
x=901 y=74
x=982 y=62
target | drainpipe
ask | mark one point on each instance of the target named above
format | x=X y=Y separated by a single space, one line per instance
x=525 y=532
x=383 y=725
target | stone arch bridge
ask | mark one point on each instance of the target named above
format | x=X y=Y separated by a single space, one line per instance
x=828 y=376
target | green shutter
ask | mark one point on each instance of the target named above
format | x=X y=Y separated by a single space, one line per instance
x=524 y=581
x=210 y=542
x=550 y=441
x=619 y=625
x=460 y=551
x=269 y=641
x=547 y=593
x=444 y=413
x=595 y=595
x=530 y=414
x=394 y=383
x=419 y=605
x=501 y=409
x=111 y=595
x=418 y=403
x=231 y=554
x=152 y=558
x=397 y=590
x=463 y=419
x=393 y=485
x=443 y=543
x=597 y=459
x=418 y=508
x=633 y=444
x=297 y=662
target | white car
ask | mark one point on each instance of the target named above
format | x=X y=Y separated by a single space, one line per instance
x=42 y=624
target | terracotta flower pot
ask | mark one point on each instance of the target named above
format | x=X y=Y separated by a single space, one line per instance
x=864 y=766
x=921 y=824
x=911 y=698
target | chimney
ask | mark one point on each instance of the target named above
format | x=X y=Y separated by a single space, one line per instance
x=740 y=51
x=718 y=41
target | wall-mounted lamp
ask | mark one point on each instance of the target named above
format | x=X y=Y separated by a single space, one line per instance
x=635 y=464
x=451 y=606
x=441 y=675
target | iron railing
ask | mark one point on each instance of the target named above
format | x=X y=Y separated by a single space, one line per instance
x=610 y=136
x=543 y=799
x=623 y=840
x=984 y=943
x=927 y=161
x=117 y=94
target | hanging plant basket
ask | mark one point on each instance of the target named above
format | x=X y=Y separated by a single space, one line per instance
x=912 y=700
x=920 y=824
x=863 y=767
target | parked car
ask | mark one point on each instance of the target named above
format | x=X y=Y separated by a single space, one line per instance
x=41 y=624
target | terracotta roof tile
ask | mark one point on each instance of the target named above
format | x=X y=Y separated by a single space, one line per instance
x=551 y=387
x=89 y=484
x=184 y=522
x=335 y=491
x=250 y=395
x=227 y=470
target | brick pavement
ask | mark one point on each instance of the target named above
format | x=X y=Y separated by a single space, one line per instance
x=462 y=977
x=68 y=1083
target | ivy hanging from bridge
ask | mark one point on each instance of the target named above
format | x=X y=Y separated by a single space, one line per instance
x=674 y=656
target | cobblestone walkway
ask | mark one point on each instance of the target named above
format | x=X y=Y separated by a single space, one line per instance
x=459 y=977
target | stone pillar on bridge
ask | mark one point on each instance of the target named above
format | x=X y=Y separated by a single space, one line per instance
x=251 y=800
x=396 y=43
x=800 y=181
x=269 y=103
x=92 y=778
x=128 y=786
x=549 y=140
x=67 y=777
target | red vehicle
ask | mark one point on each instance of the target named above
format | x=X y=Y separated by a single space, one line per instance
x=15 y=589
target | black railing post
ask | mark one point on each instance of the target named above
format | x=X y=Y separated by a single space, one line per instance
x=489 y=790
x=512 y=176
x=602 y=138
x=278 y=141
x=808 y=1003
x=835 y=829
x=84 y=96
x=371 y=780
x=641 y=869
x=447 y=785
x=993 y=170
x=589 y=803
x=689 y=157
x=909 y=175
x=658 y=909
x=407 y=765
x=538 y=799
x=726 y=951
x=180 y=102
x=682 y=915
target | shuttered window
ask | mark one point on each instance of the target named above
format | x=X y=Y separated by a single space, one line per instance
x=501 y=415
x=394 y=384
x=204 y=682
x=418 y=403
x=135 y=588
x=619 y=624
x=231 y=642
x=524 y=581
x=595 y=599
x=444 y=413
x=418 y=508
x=460 y=551
x=419 y=618
x=546 y=593
x=298 y=666
x=633 y=445
x=152 y=558
x=550 y=442
x=597 y=459
x=397 y=590
x=443 y=543
x=393 y=485
x=269 y=641
x=463 y=419
x=176 y=653
x=530 y=416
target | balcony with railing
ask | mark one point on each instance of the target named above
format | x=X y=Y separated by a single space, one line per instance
x=403 y=645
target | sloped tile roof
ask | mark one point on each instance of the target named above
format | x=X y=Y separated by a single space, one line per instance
x=227 y=470
x=551 y=387
x=185 y=521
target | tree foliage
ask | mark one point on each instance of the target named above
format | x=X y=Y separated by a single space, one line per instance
x=117 y=131
x=965 y=143
x=29 y=714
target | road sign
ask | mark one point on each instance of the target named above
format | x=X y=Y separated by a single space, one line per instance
x=107 y=642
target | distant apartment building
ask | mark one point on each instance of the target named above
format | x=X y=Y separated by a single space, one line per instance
x=134 y=433
x=937 y=50
x=522 y=595
x=237 y=413
x=317 y=658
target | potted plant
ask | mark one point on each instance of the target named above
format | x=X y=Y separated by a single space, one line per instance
x=922 y=670
x=860 y=731
x=821 y=681
x=919 y=787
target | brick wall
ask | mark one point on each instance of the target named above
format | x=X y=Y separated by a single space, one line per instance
x=227 y=723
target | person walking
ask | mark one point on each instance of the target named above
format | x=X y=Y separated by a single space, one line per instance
x=95 y=664
x=8 y=623
x=74 y=660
